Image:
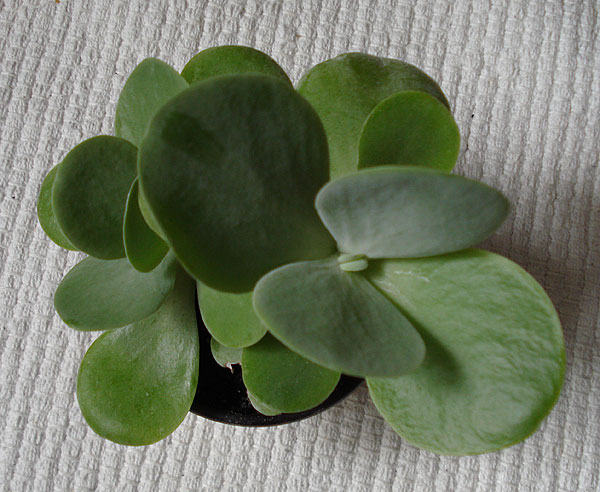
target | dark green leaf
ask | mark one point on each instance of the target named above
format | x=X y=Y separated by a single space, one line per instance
x=344 y=91
x=101 y=295
x=230 y=318
x=90 y=192
x=410 y=127
x=226 y=60
x=144 y=249
x=400 y=212
x=281 y=380
x=495 y=352
x=230 y=169
x=46 y=213
x=337 y=319
x=149 y=86
x=137 y=384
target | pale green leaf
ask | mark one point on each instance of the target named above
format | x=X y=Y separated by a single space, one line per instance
x=405 y=211
x=106 y=294
x=337 y=319
x=495 y=352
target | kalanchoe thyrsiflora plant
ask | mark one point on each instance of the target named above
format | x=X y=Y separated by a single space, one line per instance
x=323 y=234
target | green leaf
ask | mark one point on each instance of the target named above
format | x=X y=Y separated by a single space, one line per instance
x=225 y=356
x=90 y=192
x=148 y=215
x=495 y=352
x=344 y=91
x=102 y=295
x=337 y=319
x=137 y=384
x=261 y=407
x=230 y=169
x=144 y=249
x=149 y=86
x=46 y=213
x=283 y=381
x=400 y=212
x=226 y=60
x=230 y=318
x=412 y=128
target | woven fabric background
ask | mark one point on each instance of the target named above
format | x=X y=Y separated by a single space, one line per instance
x=523 y=78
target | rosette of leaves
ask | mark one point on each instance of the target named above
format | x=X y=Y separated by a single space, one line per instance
x=221 y=176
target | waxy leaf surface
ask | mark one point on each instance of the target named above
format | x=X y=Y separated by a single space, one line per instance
x=337 y=319
x=226 y=60
x=46 y=213
x=225 y=356
x=90 y=193
x=230 y=318
x=344 y=91
x=106 y=294
x=495 y=352
x=137 y=384
x=144 y=249
x=400 y=212
x=410 y=127
x=230 y=168
x=150 y=85
x=283 y=381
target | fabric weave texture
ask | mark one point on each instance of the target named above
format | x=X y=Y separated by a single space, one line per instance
x=523 y=79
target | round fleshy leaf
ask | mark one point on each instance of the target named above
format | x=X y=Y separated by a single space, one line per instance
x=283 y=381
x=226 y=60
x=344 y=91
x=230 y=318
x=403 y=212
x=137 y=384
x=144 y=249
x=495 y=352
x=337 y=319
x=261 y=407
x=90 y=193
x=149 y=86
x=148 y=215
x=225 y=356
x=46 y=213
x=102 y=295
x=410 y=127
x=230 y=168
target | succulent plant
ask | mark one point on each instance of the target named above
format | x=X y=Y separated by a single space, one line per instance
x=217 y=182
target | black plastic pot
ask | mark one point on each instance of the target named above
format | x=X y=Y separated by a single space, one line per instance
x=221 y=395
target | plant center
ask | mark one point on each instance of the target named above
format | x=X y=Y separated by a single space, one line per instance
x=353 y=263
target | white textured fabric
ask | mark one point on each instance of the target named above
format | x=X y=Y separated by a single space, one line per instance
x=523 y=78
